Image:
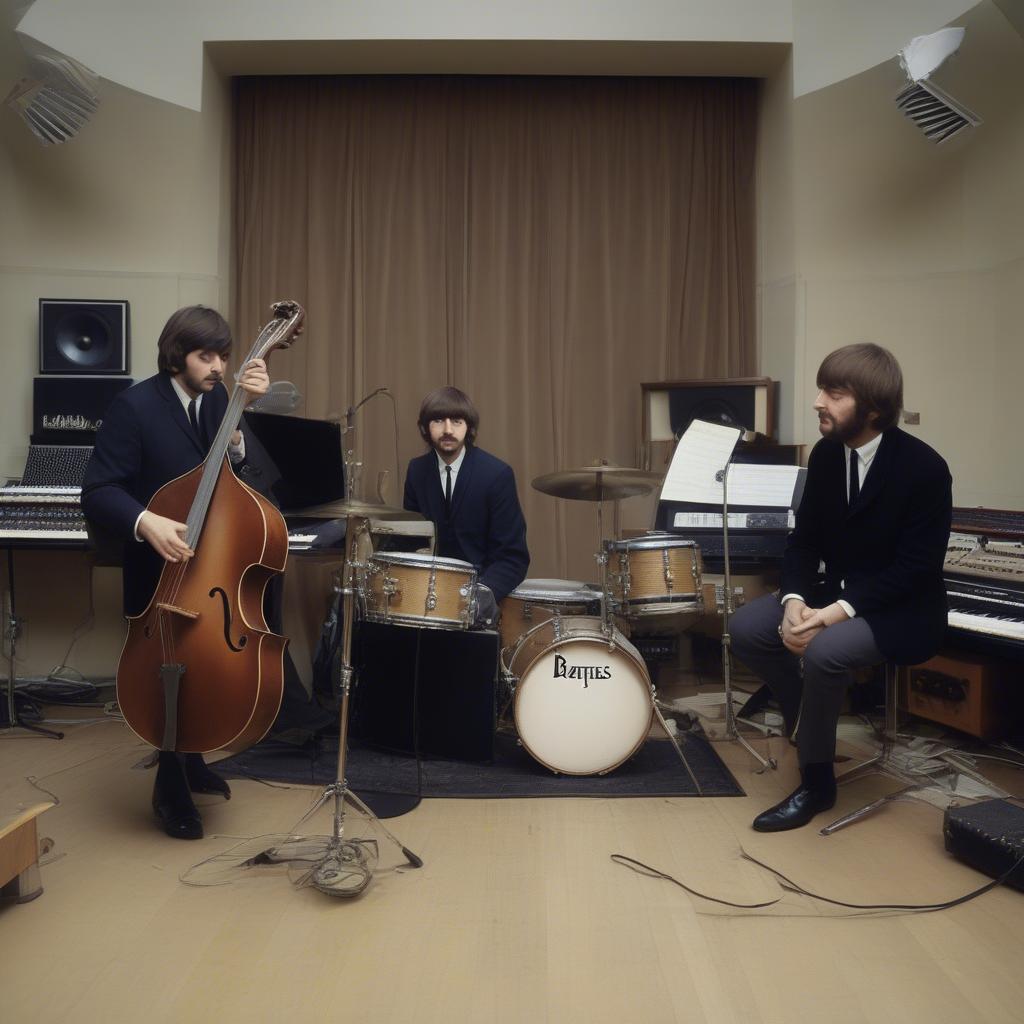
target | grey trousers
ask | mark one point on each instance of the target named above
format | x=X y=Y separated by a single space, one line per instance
x=818 y=689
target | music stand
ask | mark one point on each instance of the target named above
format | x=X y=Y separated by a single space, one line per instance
x=697 y=483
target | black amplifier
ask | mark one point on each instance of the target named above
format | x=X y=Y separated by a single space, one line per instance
x=989 y=836
x=69 y=410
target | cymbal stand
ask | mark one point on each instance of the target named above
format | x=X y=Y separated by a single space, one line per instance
x=602 y=560
x=343 y=868
x=731 y=729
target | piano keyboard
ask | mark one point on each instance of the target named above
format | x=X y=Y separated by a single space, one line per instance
x=985 y=608
x=41 y=513
x=989 y=624
x=984 y=576
x=42 y=533
x=13 y=492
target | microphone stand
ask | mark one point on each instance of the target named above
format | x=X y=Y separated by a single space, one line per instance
x=337 y=864
x=731 y=729
x=353 y=469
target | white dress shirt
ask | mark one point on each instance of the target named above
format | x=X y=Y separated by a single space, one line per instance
x=455 y=467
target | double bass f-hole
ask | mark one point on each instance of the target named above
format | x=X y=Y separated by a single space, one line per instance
x=242 y=638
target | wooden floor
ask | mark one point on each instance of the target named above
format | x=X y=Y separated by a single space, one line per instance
x=517 y=915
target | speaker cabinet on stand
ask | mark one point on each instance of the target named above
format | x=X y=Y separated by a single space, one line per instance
x=669 y=407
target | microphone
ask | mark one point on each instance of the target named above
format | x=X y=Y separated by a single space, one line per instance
x=282 y=398
x=350 y=413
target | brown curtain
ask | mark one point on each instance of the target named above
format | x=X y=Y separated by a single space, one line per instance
x=545 y=244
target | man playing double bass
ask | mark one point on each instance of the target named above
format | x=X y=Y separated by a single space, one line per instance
x=152 y=433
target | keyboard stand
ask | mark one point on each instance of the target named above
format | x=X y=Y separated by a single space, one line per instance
x=13 y=628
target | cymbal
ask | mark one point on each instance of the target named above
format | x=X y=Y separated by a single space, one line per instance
x=360 y=509
x=603 y=482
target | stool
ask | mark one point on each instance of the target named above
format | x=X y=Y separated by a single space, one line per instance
x=881 y=763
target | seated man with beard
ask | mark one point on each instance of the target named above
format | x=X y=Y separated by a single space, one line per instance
x=876 y=512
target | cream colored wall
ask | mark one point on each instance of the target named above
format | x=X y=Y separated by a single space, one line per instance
x=836 y=39
x=157 y=46
x=917 y=247
x=136 y=207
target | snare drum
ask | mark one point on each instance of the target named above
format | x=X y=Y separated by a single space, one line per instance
x=409 y=589
x=583 y=701
x=536 y=601
x=657 y=574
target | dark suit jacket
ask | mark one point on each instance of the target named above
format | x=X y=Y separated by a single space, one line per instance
x=889 y=548
x=486 y=526
x=144 y=442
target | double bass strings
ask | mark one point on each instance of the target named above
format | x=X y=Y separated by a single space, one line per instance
x=171 y=583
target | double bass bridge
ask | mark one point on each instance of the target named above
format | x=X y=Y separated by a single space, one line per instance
x=173 y=609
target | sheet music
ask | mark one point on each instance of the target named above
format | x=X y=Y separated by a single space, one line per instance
x=702 y=452
x=761 y=485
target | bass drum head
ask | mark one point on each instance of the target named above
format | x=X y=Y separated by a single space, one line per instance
x=582 y=708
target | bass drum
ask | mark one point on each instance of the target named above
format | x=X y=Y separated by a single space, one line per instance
x=583 y=702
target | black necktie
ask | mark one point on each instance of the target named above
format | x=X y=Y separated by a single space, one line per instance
x=193 y=419
x=854 y=478
x=448 y=489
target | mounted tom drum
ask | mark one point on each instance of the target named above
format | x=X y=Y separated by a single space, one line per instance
x=412 y=589
x=657 y=574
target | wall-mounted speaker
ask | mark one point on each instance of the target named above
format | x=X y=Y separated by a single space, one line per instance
x=84 y=336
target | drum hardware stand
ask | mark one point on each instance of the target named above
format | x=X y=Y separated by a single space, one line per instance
x=731 y=729
x=656 y=705
x=343 y=868
x=12 y=632
x=606 y=611
x=608 y=630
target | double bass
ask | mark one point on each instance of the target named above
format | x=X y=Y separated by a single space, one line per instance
x=200 y=669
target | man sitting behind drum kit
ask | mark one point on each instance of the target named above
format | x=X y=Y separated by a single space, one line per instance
x=471 y=498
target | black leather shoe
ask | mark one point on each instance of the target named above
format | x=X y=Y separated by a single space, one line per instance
x=172 y=802
x=202 y=779
x=816 y=793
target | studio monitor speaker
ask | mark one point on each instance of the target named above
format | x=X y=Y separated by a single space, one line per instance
x=83 y=336
x=747 y=402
